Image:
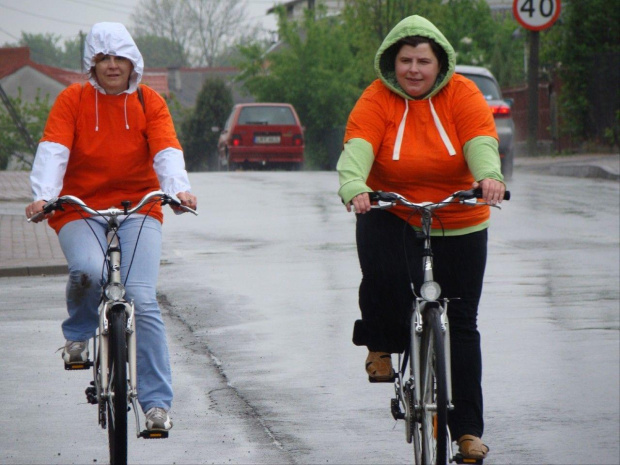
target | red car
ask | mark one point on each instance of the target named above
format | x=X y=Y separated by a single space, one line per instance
x=260 y=135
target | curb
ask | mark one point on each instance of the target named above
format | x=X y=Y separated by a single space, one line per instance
x=44 y=270
x=584 y=171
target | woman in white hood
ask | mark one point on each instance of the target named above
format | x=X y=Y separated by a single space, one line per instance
x=104 y=142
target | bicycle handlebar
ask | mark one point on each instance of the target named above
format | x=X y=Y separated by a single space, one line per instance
x=57 y=202
x=389 y=199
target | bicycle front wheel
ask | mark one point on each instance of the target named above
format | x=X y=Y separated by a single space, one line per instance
x=117 y=402
x=434 y=415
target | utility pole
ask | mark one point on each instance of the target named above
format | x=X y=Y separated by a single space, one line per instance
x=532 y=97
x=82 y=38
x=534 y=16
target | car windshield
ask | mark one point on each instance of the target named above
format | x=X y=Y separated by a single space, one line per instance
x=487 y=86
x=266 y=115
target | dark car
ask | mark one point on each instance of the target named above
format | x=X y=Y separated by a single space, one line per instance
x=502 y=113
x=260 y=135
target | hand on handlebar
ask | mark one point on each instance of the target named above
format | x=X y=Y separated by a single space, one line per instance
x=492 y=190
x=361 y=203
x=188 y=200
x=34 y=209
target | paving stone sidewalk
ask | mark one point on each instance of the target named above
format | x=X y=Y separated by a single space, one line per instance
x=25 y=249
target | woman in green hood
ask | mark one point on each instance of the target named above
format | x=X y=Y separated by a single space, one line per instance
x=424 y=132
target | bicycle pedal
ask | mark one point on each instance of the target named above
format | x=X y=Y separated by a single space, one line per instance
x=91 y=395
x=458 y=458
x=78 y=366
x=397 y=413
x=146 y=434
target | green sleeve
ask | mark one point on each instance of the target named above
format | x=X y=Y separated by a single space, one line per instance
x=482 y=156
x=353 y=167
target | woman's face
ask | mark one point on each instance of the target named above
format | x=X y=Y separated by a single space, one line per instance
x=416 y=69
x=113 y=73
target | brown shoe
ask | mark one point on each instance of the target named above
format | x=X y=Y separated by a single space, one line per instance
x=472 y=447
x=379 y=367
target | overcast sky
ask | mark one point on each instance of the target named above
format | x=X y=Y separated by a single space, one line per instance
x=68 y=17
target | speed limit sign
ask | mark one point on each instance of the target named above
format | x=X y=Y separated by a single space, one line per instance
x=536 y=15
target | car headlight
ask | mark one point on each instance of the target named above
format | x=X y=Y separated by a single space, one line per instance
x=114 y=291
x=430 y=291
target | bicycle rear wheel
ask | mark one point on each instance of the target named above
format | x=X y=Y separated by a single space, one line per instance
x=117 y=403
x=434 y=415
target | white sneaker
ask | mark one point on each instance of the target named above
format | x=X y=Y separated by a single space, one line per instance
x=157 y=419
x=75 y=352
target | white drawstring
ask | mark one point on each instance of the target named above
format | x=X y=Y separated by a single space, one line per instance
x=399 y=135
x=442 y=131
x=126 y=122
x=401 y=131
x=96 y=110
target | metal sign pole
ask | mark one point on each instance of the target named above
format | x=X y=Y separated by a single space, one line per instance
x=534 y=15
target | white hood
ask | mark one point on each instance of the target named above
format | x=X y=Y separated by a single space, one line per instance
x=113 y=39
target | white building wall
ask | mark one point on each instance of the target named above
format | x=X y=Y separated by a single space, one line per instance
x=31 y=81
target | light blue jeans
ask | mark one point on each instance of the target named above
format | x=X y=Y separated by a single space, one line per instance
x=87 y=272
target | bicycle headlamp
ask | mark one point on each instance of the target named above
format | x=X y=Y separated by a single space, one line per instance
x=430 y=291
x=114 y=291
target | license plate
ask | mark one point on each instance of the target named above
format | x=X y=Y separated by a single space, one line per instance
x=266 y=139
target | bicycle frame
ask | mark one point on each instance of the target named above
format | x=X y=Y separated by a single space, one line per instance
x=417 y=321
x=101 y=376
x=410 y=390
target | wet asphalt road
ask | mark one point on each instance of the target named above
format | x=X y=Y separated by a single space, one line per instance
x=260 y=293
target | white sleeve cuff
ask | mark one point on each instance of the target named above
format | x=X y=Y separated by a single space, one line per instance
x=48 y=170
x=170 y=168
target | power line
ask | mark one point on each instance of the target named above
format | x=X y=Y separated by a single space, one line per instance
x=8 y=34
x=27 y=13
x=102 y=7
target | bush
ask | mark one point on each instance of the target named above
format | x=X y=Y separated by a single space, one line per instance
x=199 y=141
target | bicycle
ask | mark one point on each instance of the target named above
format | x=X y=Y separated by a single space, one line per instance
x=423 y=394
x=114 y=385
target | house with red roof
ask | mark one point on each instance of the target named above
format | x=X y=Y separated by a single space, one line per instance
x=18 y=71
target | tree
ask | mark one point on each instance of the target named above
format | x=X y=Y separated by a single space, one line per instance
x=216 y=23
x=199 y=141
x=455 y=19
x=46 y=50
x=34 y=115
x=164 y=18
x=316 y=72
x=507 y=54
x=161 y=52
x=202 y=28
x=488 y=44
x=367 y=22
x=589 y=53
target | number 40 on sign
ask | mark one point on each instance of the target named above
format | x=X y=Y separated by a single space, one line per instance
x=536 y=15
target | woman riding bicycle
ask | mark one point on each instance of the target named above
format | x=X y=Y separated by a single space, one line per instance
x=105 y=142
x=424 y=132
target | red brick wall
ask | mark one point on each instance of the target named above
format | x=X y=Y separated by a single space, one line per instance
x=547 y=133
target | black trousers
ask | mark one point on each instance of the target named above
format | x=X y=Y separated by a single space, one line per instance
x=390 y=259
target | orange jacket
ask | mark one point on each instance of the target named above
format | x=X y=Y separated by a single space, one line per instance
x=424 y=170
x=111 y=146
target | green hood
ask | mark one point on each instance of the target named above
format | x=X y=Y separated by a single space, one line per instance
x=411 y=26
